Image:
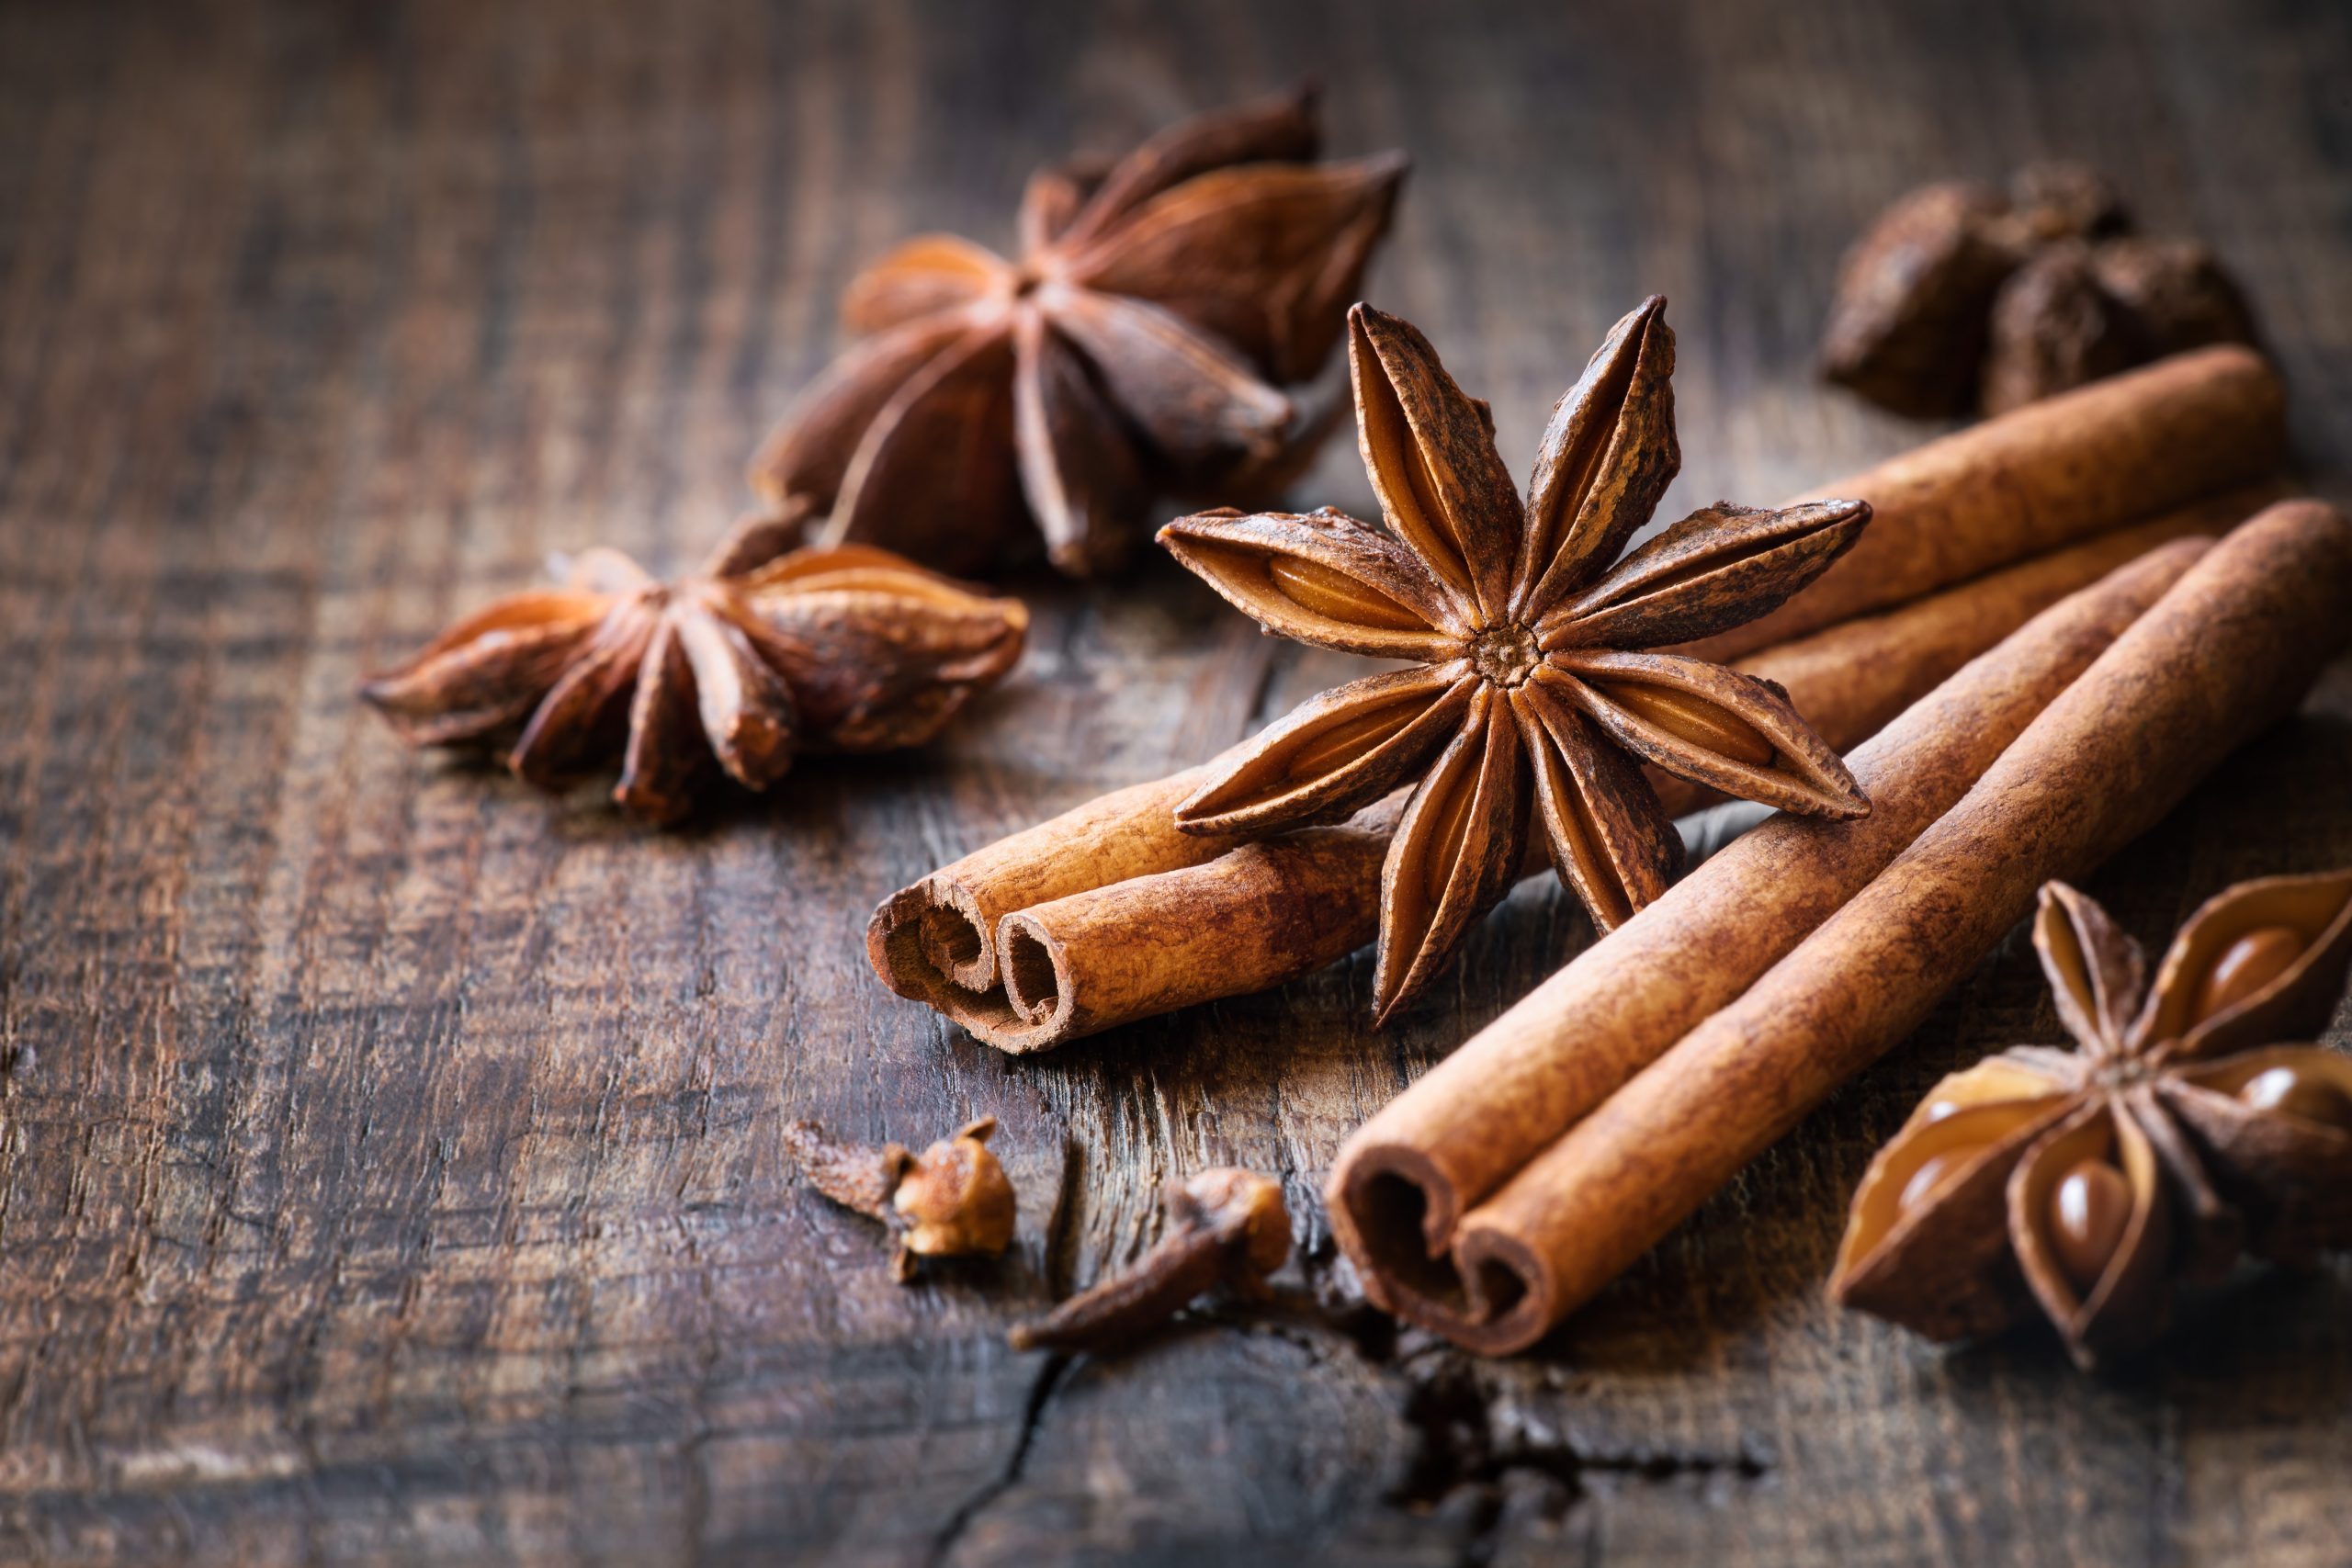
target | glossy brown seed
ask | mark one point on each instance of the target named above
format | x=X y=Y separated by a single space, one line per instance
x=2311 y=1098
x=1449 y=825
x=1933 y=1172
x=2088 y=1211
x=1578 y=835
x=1362 y=733
x=1334 y=594
x=2247 y=965
x=1701 y=723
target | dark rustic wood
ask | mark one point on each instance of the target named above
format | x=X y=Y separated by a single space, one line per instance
x=389 y=1156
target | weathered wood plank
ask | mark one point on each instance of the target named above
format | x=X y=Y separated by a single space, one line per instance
x=389 y=1159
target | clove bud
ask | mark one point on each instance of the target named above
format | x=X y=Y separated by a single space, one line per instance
x=1226 y=1228
x=954 y=1201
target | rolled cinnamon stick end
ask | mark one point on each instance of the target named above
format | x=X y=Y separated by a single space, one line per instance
x=939 y=937
x=2043 y=476
x=1851 y=678
x=2233 y=648
x=1256 y=915
x=1404 y=1181
x=1259 y=915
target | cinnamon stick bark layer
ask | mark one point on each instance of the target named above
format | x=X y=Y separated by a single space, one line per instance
x=1405 y=1179
x=2232 y=648
x=2043 y=476
x=944 y=928
x=1105 y=914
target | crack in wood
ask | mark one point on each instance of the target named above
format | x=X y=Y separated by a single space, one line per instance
x=1466 y=1460
x=1041 y=1393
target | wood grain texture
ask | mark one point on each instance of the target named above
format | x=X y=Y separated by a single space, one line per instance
x=388 y=1156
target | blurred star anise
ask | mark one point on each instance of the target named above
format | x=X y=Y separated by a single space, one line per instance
x=1526 y=687
x=1137 y=346
x=844 y=650
x=1960 y=296
x=2176 y=1137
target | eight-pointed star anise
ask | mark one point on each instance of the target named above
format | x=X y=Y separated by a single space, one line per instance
x=844 y=650
x=1137 y=346
x=1524 y=634
x=2177 y=1135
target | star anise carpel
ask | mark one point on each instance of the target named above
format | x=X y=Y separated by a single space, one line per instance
x=1138 y=344
x=2186 y=1128
x=727 y=670
x=1533 y=690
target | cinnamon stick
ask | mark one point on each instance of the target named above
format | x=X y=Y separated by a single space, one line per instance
x=1104 y=914
x=1256 y=915
x=945 y=927
x=2230 y=648
x=2042 y=476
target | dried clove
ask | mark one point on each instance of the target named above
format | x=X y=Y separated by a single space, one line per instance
x=954 y=1201
x=1226 y=1228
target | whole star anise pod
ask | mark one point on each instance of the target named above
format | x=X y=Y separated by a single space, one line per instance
x=2177 y=1135
x=1528 y=682
x=843 y=649
x=1960 y=296
x=1136 y=345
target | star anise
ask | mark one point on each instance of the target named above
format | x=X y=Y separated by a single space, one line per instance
x=2176 y=1137
x=1528 y=681
x=1134 y=347
x=848 y=649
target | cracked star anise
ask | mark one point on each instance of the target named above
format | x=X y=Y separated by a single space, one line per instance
x=2177 y=1135
x=849 y=648
x=1530 y=692
x=1137 y=344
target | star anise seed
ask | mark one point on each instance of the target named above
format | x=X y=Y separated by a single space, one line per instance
x=847 y=649
x=2176 y=1136
x=1530 y=692
x=1137 y=344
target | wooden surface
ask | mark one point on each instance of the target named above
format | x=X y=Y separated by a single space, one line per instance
x=388 y=1156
